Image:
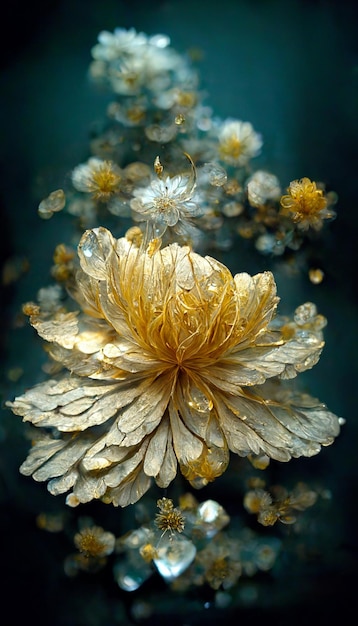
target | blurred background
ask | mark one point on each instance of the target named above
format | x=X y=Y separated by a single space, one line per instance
x=291 y=69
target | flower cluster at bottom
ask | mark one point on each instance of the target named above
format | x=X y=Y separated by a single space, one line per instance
x=193 y=545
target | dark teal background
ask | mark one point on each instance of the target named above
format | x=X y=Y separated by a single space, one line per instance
x=291 y=69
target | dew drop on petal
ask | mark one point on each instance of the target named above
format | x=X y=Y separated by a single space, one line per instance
x=305 y=313
x=199 y=402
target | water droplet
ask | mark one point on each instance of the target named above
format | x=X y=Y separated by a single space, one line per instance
x=199 y=402
x=308 y=338
x=305 y=313
x=94 y=250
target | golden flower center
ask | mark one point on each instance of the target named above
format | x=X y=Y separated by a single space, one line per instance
x=164 y=204
x=231 y=147
x=105 y=182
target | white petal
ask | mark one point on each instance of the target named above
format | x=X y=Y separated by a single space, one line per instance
x=186 y=445
x=156 y=449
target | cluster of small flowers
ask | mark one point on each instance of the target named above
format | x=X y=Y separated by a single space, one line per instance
x=192 y=545
x=188 y=546
x=159 y=107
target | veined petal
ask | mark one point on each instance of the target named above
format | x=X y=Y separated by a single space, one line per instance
x=89 y=487
x=42 y=450
x=116 y=475
x=61 y=328
x=253 y=424
x=186 y=445
x=131 y=490
x=253 y=365
x=156 y=449
x=76 y=404
x=145 y=413
x=61 y=461
x=169 y=465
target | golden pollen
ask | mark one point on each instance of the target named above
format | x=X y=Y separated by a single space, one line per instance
x=231 y=147
x=105 y=181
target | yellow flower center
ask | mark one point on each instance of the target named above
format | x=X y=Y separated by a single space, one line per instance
x=105 y=181
x=231 y=147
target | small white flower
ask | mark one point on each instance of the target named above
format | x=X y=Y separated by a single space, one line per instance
x=121 y=42
x=238 y=142
x=165 y=201
x=263 y=186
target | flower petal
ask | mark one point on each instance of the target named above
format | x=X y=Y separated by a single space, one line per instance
x=186 y=445
x=253 y=424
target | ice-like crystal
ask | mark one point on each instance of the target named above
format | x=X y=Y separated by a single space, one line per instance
x=174 y=555
x=209 y=511
x=94 y=249
x=130 y=577
x=214 y=174
x=211 y=517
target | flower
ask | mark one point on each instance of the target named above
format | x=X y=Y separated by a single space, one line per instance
x=94 y=541
x=165 y=202
x=133 y=63
x=97 y=177
x=262 y=187
x=306 y=204
x=111 y=46
x=170 y=517
x=238 y=142
x=171 y=361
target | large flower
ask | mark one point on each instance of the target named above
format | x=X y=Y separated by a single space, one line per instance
x=167 y=363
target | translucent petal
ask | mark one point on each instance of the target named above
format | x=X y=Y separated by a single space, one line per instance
x=94 y=249
x=61 y=328
x=281 y=430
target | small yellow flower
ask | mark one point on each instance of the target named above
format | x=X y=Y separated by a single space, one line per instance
x=169 y=518
x=94 y=541
x=306 y=204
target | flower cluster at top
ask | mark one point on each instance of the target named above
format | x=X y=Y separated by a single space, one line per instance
x=209 y=192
